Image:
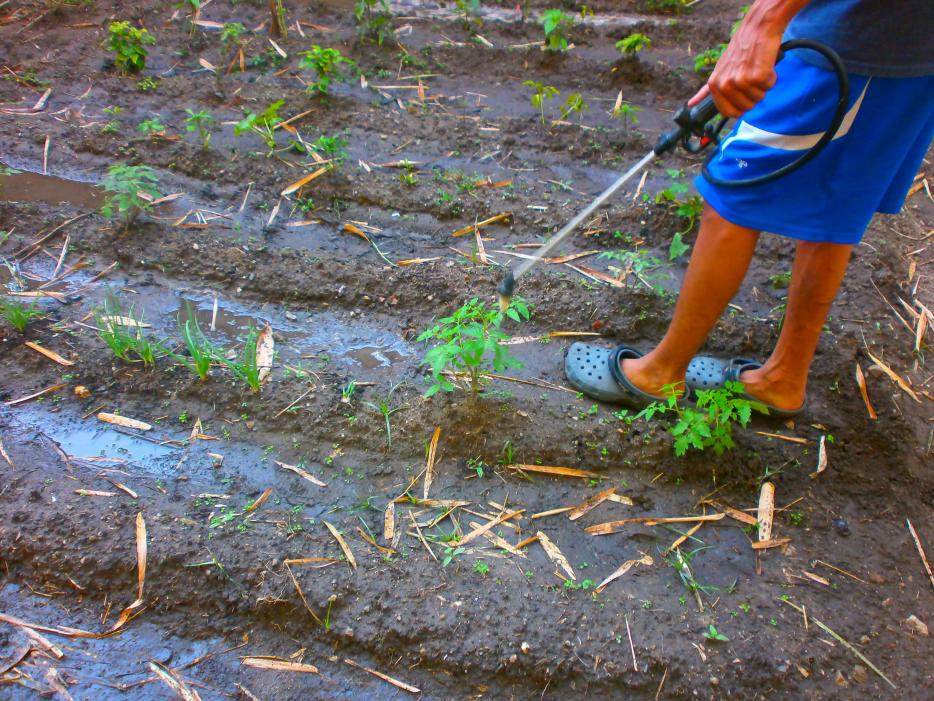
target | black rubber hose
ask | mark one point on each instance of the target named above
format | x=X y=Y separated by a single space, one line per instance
x=843 y=82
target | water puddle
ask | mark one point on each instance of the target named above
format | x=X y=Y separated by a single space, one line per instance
x=301 y=335
x=36 y=187
x=92 y=439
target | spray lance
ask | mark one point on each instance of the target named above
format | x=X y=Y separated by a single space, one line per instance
x=695 y=129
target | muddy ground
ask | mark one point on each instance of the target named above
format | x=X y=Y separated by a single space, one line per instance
x=490 y=624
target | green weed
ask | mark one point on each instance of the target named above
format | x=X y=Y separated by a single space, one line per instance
x=325 y=64
x=201 y=350
x=123 y=332
x=574 y=104
x=631 y=45
x=373 y=20
x=152 y=127
x=382 y=406
x=129 y=46
x=626 y=114
x=557 y=27
x=262 y=124
x=470 y=340
x=714 y=635
x=711 y=424
x=541 y=94
x=18 y=315
x=201 y=122
x=127 y=188
x=245 y=367
x=114 y=125
x=706 y=60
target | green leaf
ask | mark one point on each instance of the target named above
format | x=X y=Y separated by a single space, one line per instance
x=677 y=248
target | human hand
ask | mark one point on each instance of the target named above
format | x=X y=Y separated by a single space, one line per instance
x=745 y=71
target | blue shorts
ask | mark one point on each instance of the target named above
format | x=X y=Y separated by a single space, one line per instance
x=868 y=167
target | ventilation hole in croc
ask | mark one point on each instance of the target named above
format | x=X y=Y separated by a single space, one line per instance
x=599 y=377
x=589 y=374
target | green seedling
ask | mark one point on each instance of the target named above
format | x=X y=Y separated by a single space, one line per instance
x=705 y=61
x=557 y=27
x=152 y=127
x=332 y=147
x=408 y=178
x=348 y=391
x=18 y=315
x=130 y=190
x=541 y=93
x=129 y=46
x=373 y=20
x=383 y=407
x=245 y=368
x=470 y=340
x=201 y=122
x=325 y=64
x=641 y=264
x=688 y=208
x=202 y=352
x=262 y=124
x=231 y=44
x=450 y=553
x=470 y=14
x=713 y=635
x=113 y=125
x=147 y=84
x=123 y=332
x=711 y=424
x=481 y=568
x=574 y=103
x=626 y=114
x=630 y=46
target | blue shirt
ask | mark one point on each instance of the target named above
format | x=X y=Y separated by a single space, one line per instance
x=890 y=38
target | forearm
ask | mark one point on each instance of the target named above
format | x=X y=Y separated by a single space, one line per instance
x=771 y=16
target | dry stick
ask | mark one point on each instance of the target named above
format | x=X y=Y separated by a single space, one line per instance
x=836 y=636
x=307 y=392
x=635 y=667
x=927 y=566
x=37 y=243
x=422 y=538
x=837 y=569
x=658 y=692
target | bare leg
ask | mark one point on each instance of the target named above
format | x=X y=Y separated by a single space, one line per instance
x=815 y=279
x=718 y=265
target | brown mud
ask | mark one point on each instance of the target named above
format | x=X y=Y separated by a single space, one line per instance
x=216 y=588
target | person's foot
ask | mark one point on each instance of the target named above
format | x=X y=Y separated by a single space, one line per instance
x=648 y=377
x=762 y=384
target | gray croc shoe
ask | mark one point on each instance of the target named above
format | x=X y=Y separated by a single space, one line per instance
x=705 y=372
x=596 y=372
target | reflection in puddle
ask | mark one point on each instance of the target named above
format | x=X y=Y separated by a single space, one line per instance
x=35 y=187
x=92 y=439
x=321 y=334
x=371 y=357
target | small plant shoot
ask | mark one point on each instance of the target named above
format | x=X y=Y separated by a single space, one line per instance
x=711 y=424
x=130 y=190
x=540 y=94
x=201 y=122
x=630 y=46
x=373 y=20
x=470 y=340
x=325 y=64
x=263 y=124
x=557 y=27
x=18 y=315
x=129 y=46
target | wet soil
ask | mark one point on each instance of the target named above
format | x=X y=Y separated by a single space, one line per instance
x=234 y=253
